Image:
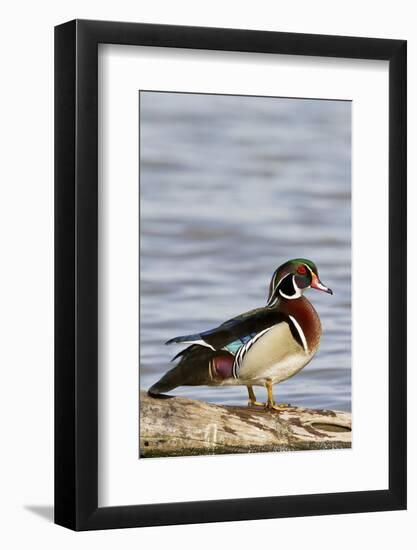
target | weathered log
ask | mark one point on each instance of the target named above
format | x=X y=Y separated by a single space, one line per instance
x=176 y=426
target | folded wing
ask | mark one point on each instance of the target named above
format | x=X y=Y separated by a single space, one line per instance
x=239 y=328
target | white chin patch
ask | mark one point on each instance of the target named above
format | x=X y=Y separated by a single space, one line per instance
x=298 y=292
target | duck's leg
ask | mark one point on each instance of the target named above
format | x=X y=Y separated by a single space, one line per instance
x=252 y=398
x=270 y=404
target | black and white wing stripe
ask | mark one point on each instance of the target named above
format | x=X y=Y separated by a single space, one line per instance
x=243 y=350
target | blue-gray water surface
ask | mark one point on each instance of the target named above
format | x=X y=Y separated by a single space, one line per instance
x=230 y=188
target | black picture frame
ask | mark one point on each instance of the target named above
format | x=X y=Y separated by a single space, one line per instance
x=76 y=272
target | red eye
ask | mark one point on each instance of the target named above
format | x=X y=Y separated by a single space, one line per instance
x=301 y=270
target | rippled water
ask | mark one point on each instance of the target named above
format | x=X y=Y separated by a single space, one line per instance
x=231 y=187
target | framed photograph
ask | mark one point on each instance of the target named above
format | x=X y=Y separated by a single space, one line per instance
x=240 y=196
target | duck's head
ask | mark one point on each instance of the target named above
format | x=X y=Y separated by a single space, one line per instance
x=291 y=279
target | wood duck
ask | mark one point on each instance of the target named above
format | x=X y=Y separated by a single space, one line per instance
x=261 y=347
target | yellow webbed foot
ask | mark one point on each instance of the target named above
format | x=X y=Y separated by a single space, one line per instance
x=255 y=404
x=280 y=407
x=252 y=399
x=271 y=405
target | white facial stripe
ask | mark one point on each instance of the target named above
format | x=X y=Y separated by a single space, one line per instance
x=297 y=291
x=300 y=332
x=294 y=284
x=273 y=299
x=272 y=302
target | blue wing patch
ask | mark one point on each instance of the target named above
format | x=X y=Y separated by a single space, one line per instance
x=235 y=346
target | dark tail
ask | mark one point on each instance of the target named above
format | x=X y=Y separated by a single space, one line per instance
x=172 y=379
x=186 y=338
x=192 y=370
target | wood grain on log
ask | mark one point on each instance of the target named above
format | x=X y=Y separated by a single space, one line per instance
x=176 y=426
